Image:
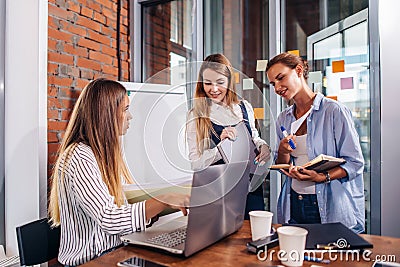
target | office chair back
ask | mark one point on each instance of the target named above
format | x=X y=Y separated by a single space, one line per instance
x=38 y=242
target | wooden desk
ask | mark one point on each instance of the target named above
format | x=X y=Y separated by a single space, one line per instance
x=232 y=251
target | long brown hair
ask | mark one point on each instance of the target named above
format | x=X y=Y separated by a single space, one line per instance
x=95 y=121
x=290 y=61
x=201 y=107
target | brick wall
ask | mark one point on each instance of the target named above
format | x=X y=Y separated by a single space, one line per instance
x=82 y=45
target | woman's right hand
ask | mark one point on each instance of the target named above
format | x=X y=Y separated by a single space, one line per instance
x=175 y=201
x=228 y=132
x=159 y=203
x=284 y=147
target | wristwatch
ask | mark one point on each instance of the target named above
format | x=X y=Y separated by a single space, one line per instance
x=327 y=178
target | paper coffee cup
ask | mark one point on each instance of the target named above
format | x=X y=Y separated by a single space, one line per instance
x=260 y=223
x=292 y=241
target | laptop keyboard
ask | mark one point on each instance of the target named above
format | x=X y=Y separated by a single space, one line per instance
x=171 y=239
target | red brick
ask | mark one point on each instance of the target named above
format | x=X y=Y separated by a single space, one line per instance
x=99 y=37
x=110 y=70
x=52 y=90
x=68 y=103
x=60 y=81
x=109 y=51
x=53 y=114
x=76 y=50
x=60 y=58
x=81 y=83
x=87 y=12
x=58 y=12
x=100 y=57
x=54 y=103
x=51 y=44
x=52 y=68
x=60 y=35
x=110 y=14
x=99 y=17
x=66 y=114
x=53 y=22
x=72 y=28
x=111 y=23
x=88 y=23
x=94 y=5
x=105 y=3
x=124 y=12
x=88 y=64
x=74 y=6
x=69 y=93
x=52 y=137
x=57 y=125
x=89 y=44
x=109 y=32
x=53 y=147
x=86 y=74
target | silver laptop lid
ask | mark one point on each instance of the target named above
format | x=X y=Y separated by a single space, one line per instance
x=217 y=204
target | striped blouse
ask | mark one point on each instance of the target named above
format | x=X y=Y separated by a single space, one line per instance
x=91 y=222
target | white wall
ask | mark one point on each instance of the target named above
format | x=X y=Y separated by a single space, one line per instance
x=25 y=115
x=390 y=128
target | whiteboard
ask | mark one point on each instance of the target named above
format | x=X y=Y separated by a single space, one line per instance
x=154 y=145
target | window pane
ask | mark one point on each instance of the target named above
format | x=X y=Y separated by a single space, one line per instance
x=167 y=33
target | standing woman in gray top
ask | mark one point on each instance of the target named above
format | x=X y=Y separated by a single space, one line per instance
x=87 y=199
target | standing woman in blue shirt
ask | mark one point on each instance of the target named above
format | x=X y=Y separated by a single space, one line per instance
x=320 y=126
x=86 y=198
x=216 y=107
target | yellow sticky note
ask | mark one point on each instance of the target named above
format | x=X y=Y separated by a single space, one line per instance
x=259 y=113
x=338 y=66
x=294 y=52
x=236 y=77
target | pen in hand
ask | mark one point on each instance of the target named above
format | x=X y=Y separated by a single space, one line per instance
x=285 y=134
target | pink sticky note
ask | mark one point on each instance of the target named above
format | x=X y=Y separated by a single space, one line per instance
x=346 y=83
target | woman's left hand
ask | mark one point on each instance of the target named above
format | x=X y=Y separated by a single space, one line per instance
x=301 y=174
x=264 y=156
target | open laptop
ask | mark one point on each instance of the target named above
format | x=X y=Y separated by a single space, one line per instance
x=217 y=204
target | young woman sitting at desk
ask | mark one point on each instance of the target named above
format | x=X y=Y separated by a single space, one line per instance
x=87 y=199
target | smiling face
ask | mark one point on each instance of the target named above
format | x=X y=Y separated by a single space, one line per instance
x=215 y=85
x=126 y=116
x=286 y=81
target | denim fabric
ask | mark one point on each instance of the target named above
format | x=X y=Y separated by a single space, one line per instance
x=303 y=208
x=255 y=201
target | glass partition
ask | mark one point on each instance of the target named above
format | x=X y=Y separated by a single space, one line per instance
x=348 y=41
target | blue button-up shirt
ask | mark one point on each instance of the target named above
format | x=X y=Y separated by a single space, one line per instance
x=330 y=131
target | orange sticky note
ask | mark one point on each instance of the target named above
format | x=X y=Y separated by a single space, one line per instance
x=294 y=52
x=259 y=113
x=236 y=76
x=334 y=97
x=338 y=66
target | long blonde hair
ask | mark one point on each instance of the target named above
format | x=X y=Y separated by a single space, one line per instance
x=201 y=103
x=95 y=121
